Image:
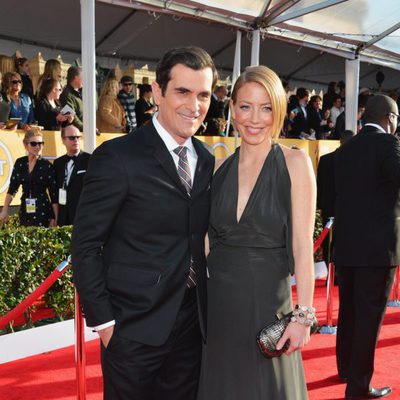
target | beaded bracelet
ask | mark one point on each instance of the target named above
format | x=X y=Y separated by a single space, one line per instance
x=303 y=315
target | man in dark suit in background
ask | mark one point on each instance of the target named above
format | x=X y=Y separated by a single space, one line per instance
x=138 y=240
x=326 y=194
x=70 y=171
x=298 y=115
x=367 y=242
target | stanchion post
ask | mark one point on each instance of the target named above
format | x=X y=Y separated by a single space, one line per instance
x=80 y=358
x=329 y=327
x=394 y=298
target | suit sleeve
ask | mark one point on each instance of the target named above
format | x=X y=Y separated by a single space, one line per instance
x=104 y=191
x=389 y=154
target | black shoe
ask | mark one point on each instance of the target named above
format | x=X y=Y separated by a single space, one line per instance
x=372 y=394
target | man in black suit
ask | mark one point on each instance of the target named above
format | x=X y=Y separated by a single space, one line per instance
x=367 y=242
x=70 y=171
x=326 y=194
x=298 y=115
x=138 y=240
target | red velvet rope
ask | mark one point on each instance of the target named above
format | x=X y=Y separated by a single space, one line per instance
x=40 y=290
x=324 y=232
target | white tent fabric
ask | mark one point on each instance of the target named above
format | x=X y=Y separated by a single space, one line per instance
x=305 y=41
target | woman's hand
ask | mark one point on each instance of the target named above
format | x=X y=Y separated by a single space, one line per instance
x=4 y=216
x=53 y=223
x=298 y=334
x=61 y=117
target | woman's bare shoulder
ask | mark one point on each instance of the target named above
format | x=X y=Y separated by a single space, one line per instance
x=297 y=160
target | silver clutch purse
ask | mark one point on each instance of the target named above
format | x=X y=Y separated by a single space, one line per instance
x=269 y=336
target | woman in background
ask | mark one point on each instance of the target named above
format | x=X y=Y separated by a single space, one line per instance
x=110 y=112
x=48 y=107
x=38 y=180
x=22 y=67
x=20 y=103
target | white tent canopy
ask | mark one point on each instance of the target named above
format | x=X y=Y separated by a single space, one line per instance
x=305 y=41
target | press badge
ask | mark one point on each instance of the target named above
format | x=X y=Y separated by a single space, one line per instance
x=30 y=206
x=62 y=197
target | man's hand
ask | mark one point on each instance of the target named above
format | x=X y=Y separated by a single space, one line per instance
x=105 y=335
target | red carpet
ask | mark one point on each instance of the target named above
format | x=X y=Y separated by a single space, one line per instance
x=52 y=376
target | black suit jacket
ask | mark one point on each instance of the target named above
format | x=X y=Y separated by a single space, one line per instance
x=367 y=180
x=135 y=231
x=326 y=185
x=67 y=212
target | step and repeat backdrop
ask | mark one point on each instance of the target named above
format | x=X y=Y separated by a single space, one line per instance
x=11 y=148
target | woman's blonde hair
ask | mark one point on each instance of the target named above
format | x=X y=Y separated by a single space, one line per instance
x=111 y=87
x=7 y=82
x=32 y=132
x=270 y=81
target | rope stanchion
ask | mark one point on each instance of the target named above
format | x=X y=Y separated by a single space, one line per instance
x=39 y=291
x=328 y=328
x=324 y=233
x=394 y=298
x=80 y=357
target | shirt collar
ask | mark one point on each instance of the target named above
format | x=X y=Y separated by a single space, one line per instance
x=376 y=126
x=169 y=141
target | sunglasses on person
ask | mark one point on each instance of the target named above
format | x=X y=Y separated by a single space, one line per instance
x=34 y=144
x=128 y=84
x=72 y=138
x=16 y=81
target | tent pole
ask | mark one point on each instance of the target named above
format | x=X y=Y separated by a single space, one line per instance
x=88 y=73
x=236 y=73
x=255 y=48
x=352 y=84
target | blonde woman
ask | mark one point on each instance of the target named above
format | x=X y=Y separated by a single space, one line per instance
x=39 y=191
x=261 y=226
x=110 y=113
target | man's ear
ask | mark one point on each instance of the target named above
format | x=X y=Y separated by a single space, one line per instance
x=157 y=92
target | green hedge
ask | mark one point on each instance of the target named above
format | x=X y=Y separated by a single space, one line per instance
x=27 y=256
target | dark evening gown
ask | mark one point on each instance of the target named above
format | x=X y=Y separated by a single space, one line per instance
x=249 y=264
x=38 y=184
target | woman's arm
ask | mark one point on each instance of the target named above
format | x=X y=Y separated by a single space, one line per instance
x=303 y=198
x=4 y=212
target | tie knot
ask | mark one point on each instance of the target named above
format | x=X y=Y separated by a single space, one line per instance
x=181 y=151
x=73 y=158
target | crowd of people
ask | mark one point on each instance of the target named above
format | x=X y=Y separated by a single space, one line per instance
x=176 y=322
x=53 y=106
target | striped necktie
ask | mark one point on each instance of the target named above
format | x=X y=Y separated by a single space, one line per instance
x=186 y=179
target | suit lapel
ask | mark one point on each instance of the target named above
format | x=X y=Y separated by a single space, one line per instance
x=75 y=168
x=163 y=156
x=201 y=177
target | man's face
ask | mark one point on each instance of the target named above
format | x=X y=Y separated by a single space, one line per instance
x=78 y=81
x=184 y=105
x=222 y=93
x=127 y=87
x=72 y=140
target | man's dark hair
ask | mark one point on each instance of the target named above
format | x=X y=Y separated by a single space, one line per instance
x=336 y=97
x=144 y=88
x=72 y=73
x=192 y=57
x=302 y=92
x=346 y=136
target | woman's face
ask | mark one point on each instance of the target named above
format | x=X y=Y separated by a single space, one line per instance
x=252 y=113
x=16 y=84
x=31 y=148
x=24 y=68
x=56 y=91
